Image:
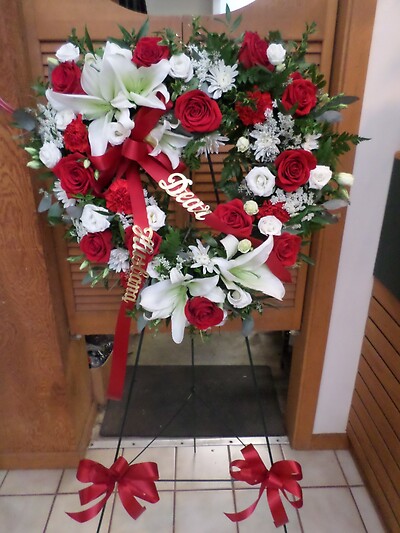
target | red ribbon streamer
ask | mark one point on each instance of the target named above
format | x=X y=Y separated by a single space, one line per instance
x=128 y=159
x=282 y=476
x=135 y=481
x=6 y=106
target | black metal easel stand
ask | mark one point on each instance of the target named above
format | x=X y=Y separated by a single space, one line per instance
x=192 y=397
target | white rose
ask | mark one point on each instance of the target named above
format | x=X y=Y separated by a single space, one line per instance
x=67 y=52
x=156 y=217
x=63 y=118
x=181 y=67
x=276 y=54
x=260 y=181
x=49 y=154
x=251 y=207
x=242 y=144
x=270 y=225
x=93 y=220
x=344 y=178
x=239 y=298
x=319 y=177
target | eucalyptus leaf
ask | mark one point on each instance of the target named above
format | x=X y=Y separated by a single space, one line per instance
x=336 y=203
x=87 y=279
x=24 y=120
x=141 y=322
x=247 y=326
x=45 y=203
x=55 y=211
x=330 y=116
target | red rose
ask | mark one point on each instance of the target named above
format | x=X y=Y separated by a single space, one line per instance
x=117 y=197
x=301 y=92
x=254 y=51
x=198 y=112
x=202 y=313
x=276 y=210
x=97 y=246
x=294 y=168
x=254 y=114
x=148 y=52
x=74 y=177
x=76 y=136
x=66 y=78
x=234 y=215
x=286 y=248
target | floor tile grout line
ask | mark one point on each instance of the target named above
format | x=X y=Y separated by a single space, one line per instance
x=174 y=496
x=53 y=502
x=4 y=478
x=358 y=510
x=112 y=512
x=341 y=468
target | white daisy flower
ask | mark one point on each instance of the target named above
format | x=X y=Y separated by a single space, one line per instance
x=119 y=260
x=212 y=143
x=221 y=78
x=61 y=195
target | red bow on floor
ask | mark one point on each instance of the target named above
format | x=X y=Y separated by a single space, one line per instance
x=133 y=481
x=282 y=476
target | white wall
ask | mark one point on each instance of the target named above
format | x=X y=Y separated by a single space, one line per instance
x=380 y=120
x=179 y=7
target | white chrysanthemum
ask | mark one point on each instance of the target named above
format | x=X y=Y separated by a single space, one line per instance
x=201 y=258
x=201 y=62
x=221 y=78
x=212 y=143
x=119 y=260
x=61 y=195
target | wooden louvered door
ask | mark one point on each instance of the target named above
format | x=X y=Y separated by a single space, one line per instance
x=94 y=310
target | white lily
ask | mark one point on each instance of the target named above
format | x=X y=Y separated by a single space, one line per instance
x=113 y=85
x=166 y=141
x=168 y=298
x=249 y=270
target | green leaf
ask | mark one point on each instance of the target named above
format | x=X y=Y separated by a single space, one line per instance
x=306 y=259
x=228 y=15
x=88 y=41
x=144 y=30
x=127 y=36
x=236 y=23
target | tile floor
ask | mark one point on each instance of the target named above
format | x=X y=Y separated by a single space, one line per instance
x=335 y=499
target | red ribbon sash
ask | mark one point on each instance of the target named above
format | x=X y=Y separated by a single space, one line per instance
x=282 y=476
x=135 y=481
x=128 y=160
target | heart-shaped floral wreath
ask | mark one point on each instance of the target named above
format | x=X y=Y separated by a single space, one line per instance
x=123 y=126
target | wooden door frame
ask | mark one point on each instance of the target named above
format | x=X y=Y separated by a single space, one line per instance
x=355 y=23
x=351 y=50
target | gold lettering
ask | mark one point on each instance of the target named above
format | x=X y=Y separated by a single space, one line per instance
x=142 y=246
x=177 y=188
